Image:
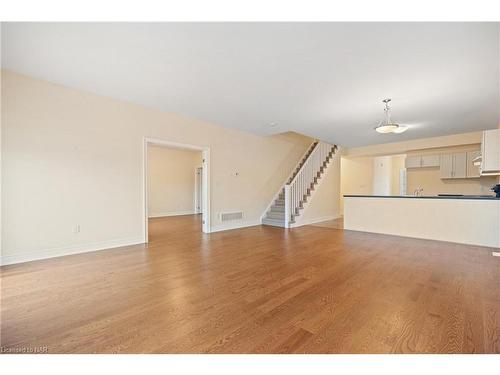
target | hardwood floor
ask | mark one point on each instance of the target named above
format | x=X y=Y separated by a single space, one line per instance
x=333 y=224
x=257 y=290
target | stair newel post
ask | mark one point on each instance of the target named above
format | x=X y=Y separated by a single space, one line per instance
x=287 y=205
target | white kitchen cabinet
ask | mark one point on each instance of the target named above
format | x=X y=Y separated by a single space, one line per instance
x=446 y=167
x=453 y=165
x=430 y=161
x=460 y=165
x=421 y=161
x=473 y=171
x=490 y=152
x=413 y=161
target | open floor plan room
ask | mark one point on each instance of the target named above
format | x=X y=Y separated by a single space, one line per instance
x=250 y=188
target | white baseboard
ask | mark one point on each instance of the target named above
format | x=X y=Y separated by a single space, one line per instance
x=317 y=220
x=69 y=250
x=235 y=225
x=165 y=214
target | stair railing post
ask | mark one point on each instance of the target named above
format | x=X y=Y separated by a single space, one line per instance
x=287 y=205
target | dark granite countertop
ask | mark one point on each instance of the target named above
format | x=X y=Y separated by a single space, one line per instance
x=479 y=197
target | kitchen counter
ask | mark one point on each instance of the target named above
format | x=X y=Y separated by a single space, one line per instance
x=486 y=197
x=473 y=220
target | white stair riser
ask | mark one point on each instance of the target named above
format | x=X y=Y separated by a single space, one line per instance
x=275 y=223
x=278 y=209
x=276 y=215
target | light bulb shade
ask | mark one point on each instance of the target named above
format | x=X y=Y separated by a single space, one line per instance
x=386 y=128
x=400 y=129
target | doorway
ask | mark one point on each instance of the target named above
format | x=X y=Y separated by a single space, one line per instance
x=163 y=194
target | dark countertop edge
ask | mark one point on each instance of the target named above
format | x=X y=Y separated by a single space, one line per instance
x=492 y=198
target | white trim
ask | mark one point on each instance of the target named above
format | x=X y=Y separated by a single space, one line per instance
x=145 y=190
x=206 y=190
x=315 y=220
x=165 y=214
x=69 y=250
x=229 y=226
x=182 y=146
x=205 y=150
x=196 y=183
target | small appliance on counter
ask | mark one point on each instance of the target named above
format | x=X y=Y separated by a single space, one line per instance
x=496 y=189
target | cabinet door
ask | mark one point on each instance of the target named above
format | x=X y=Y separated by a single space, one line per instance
x=446 y=166
x=472 y=170
x=491 y=151
x=459 y=165
x=430 y=161
x=413 y=161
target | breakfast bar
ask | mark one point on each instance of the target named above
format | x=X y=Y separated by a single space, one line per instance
x=473 y=220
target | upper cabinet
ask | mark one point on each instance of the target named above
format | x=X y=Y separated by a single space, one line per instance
x=413 y=161
x=454 y=165
x=430 y=161
x=446 y=167
x=421 y=161
x=490 y=152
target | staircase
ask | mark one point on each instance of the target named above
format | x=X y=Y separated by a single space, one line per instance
x=299 y=188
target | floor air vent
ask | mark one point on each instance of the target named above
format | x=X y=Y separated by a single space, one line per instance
x=231 y=216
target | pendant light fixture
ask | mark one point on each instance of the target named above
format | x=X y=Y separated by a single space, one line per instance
x=387 y=126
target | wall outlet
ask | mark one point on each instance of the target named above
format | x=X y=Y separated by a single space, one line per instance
x=76 y=228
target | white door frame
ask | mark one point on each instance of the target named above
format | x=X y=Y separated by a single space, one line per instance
x=205 y=151
x=198 y=182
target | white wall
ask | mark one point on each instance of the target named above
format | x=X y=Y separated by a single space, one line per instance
x=356 y=177
x=71 y=157
x=382 y=175
x=171 y=181
x=416 y=144
x=398 y=163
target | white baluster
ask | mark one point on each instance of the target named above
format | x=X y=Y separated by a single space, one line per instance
x=303 y=180
x=287 y=205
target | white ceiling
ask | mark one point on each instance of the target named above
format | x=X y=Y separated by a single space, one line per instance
x=326 y=80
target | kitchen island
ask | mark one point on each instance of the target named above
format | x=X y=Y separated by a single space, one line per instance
x=471 y=220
